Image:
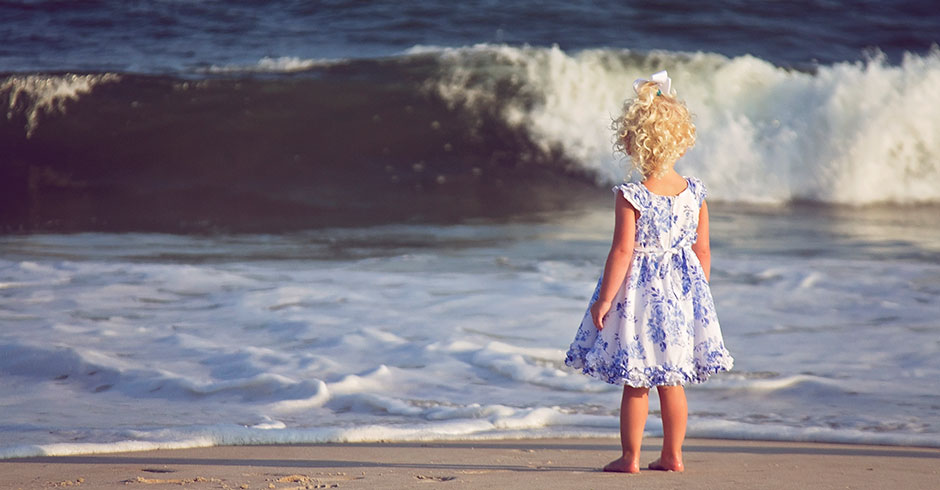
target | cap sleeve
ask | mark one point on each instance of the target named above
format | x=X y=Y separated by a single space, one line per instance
x=633 y=194
x=698 y=190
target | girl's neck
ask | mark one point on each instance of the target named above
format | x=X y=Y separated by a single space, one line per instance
x=670 y=184
x=670 y=176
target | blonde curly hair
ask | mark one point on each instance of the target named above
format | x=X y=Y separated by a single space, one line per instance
x=654 y=130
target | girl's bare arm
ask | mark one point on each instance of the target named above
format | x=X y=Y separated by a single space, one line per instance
x=701 y=247
x=618 y=260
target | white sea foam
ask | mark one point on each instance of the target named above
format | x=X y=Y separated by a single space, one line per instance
x=48 y=94
x=854 y=133
x=114 y=347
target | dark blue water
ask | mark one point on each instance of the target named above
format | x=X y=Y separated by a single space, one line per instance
x=172 y=36
x=219 y=115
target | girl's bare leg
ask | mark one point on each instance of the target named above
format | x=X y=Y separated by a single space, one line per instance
x=675 y=411
x=634 y=406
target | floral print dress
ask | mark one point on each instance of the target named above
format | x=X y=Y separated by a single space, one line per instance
x=662 y=328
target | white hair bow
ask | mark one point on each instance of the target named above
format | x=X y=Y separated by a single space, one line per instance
x=660 y=78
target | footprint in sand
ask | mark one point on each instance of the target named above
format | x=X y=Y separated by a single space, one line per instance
x=435 y=478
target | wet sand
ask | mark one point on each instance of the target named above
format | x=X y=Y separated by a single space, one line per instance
x=531 y=463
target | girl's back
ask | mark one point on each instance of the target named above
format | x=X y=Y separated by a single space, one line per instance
x=665 y=222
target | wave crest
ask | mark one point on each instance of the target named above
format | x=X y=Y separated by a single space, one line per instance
x=35 y=94
x=848 y=133
x=283 y=64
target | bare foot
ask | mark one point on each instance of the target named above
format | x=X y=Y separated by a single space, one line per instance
x=621 y=465
x=661 y=465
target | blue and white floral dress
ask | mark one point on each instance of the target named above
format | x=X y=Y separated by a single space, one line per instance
x=662 y=328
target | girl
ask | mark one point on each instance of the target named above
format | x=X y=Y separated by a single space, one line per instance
x=651 y=321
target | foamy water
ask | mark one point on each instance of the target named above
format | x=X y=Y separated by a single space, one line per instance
x=135 y=341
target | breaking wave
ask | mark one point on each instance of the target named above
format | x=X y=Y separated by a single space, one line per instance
x=447 y=133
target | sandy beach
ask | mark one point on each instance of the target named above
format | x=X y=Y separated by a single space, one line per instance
x=532 y=463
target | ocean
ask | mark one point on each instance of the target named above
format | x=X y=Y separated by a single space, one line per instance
x=290 y=222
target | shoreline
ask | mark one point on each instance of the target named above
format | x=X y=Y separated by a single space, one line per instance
x=519 y=463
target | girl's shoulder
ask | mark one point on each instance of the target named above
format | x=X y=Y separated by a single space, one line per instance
x=697 y=188
x=634 y=193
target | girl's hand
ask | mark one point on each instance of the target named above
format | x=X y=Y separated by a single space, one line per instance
x=598 y=311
